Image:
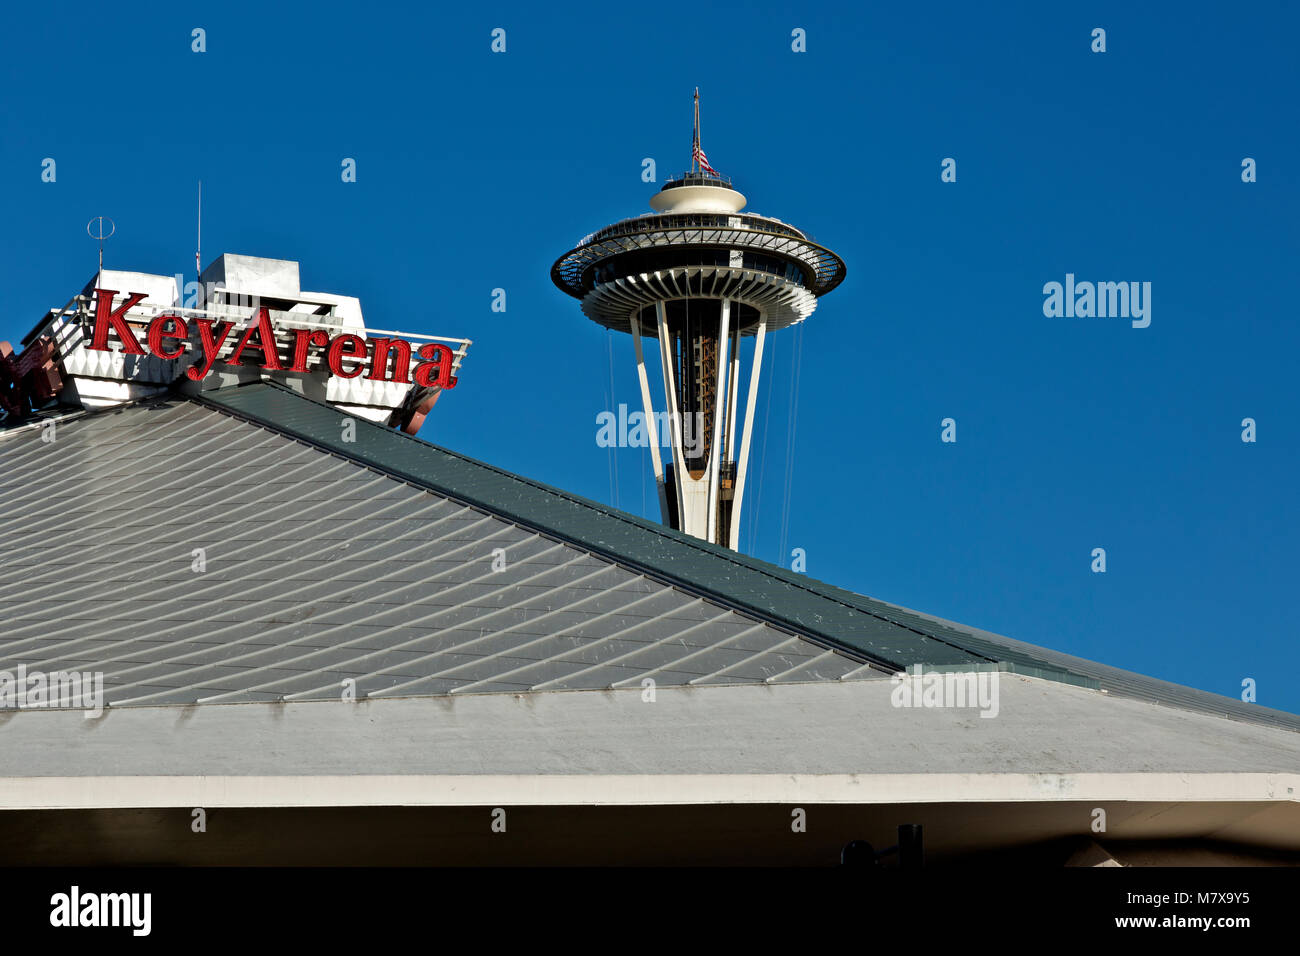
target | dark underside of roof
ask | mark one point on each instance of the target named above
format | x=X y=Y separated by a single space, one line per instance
x=764 y=622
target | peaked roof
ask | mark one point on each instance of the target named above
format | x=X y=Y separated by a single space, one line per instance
x=370 y=556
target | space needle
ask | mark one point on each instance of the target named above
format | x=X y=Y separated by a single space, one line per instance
x=697 y=274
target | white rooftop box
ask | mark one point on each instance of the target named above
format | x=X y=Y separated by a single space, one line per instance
x=253 y=275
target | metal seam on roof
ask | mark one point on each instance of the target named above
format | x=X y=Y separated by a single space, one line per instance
x=975 y=647
x=237 y=401
x=294 y=441
x=199 y=645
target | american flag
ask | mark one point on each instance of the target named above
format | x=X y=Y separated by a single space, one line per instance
x=703 y=160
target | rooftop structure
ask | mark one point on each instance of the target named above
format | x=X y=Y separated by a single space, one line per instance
x=323 y=347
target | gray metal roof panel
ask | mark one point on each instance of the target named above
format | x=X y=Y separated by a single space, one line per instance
x=396 y=588
x=317 y=572
x=757 y=587
x=885 y=634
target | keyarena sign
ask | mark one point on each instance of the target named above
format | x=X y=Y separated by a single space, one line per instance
x=167 y=337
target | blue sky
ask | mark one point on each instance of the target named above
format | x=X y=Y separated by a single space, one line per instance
x=476 y=170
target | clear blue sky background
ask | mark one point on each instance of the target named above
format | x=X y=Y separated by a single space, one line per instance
x=476 y=171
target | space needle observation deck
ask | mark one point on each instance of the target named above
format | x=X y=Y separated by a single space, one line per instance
x=697 y=274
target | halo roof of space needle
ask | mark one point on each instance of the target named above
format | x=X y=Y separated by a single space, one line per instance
x=697 y=274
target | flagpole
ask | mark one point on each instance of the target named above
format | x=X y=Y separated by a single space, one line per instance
x=695 y=146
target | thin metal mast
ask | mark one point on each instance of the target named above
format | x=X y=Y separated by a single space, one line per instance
x=198 y=244
x=695 y=143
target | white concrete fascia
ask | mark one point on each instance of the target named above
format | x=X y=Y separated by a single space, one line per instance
x=105 y=792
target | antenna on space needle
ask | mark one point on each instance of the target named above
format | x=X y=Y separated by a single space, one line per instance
x=98 y=224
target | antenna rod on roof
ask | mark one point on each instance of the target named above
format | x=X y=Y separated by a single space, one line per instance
x=198 y=245
x=101 y=235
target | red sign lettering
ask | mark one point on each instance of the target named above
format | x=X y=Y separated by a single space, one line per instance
x=158 y=332
x=210 y=347
x=438 y=371
x=379 y=359
x=265 y=341
x=106 y=315
x=356 y=349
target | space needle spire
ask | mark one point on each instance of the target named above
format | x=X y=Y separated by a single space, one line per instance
x=695 y=138
x=699 y=162
x=696 y=276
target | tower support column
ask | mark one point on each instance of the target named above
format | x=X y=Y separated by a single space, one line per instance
x=674 y=416
x=742 y=466
x=719 y=415
x=651 y=424
x=733 y=385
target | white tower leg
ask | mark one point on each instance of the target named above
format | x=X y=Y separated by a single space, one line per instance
x=719 y=414
x=742 y=465
x=651 y=424
x=733 y=384
x=670 y=403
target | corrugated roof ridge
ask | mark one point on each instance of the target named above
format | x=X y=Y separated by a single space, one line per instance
x=1116 y=679
x=57 y=416
x=978 y=645
x=313 y=425
x=812 y=586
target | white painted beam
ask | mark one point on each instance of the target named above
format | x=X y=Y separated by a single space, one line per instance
x=652 y=426
x=742 y=466
x=670 y=402
x=719 y=409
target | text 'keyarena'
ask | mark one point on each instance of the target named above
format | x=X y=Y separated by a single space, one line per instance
x=372 y=356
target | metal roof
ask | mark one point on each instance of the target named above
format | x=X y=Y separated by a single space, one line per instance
x=371 y=559
x=317 y=570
